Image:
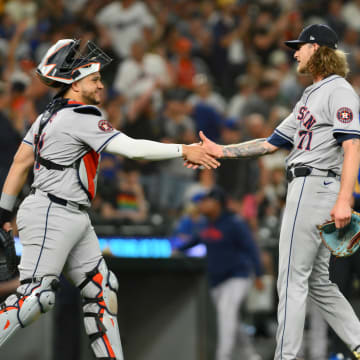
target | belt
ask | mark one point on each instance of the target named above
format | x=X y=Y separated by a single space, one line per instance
x=301 y=171
x=60 y=201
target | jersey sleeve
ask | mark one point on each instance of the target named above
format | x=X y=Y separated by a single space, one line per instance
x=91 y=128
x=344 y=111
x=283 y=135
x=30 y=135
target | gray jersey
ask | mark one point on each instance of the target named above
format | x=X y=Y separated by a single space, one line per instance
x=70 y=136
x=327 y=109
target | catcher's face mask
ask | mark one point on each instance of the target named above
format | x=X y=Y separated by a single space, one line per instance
x=65 y=62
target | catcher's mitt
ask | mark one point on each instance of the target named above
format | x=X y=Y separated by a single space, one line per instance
x=8 y=260
x=341 y=242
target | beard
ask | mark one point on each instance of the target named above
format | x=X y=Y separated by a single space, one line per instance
x=302 y=69
x=90 y=98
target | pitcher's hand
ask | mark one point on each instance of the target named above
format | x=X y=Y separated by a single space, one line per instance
x=341 y=213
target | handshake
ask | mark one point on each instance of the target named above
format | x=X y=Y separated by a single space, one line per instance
x=203 y=154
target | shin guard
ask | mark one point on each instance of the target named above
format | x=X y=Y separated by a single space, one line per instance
x=99 y=292
x=33 y=297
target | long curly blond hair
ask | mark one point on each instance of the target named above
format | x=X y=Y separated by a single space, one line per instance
x=326 y=61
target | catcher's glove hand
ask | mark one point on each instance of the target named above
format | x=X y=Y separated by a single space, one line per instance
x=8 y=260
x=341 y=242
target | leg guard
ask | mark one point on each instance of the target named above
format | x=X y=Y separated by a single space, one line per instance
x=33 y=297
x=99 y=292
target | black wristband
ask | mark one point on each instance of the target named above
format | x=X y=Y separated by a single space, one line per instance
x=5 y=216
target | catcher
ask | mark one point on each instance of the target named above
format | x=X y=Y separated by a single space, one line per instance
x=63 y=146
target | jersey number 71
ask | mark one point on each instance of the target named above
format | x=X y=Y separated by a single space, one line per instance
x=305 y=139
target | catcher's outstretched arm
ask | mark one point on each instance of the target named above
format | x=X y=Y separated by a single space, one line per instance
x=153 y=150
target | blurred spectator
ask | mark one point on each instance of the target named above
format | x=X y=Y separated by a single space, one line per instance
x=203 y=115
x=141 y=71
x=127 y=202
x=22 y=11
x=246 y=87
x=203 y=93
x=350 y=44
x=335 y=17
x=255 y=128
x=200 y=35
x=236 y=177
x=351 y=13
x=292 y=86
x=229 y=56
x=177 y=127
x=10 y=138
x=264 y=99
x=232 y=259
x=140 y=116
x=125 y=21
x=204 y=182
x=185 y=65
x=190 y=222
x=270 y=210
x=264 y=33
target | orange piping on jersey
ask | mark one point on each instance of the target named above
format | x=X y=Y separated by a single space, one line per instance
x=7 y=325
x=91 y=161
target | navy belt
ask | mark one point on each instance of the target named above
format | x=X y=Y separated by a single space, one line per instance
x=301 y=171
x=60 y=201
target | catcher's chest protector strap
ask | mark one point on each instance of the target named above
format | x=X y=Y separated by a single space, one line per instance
x=24 y=307
x=55 y=106
x=99 y=292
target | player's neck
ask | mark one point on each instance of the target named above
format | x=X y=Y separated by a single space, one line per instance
x=317 y=79
x=73 y=96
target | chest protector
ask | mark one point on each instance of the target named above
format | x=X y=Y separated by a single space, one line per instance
x=87 y=166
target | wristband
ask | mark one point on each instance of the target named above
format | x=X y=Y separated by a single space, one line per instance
x=7 y=202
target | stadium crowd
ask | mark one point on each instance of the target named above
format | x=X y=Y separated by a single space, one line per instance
x=179 y=66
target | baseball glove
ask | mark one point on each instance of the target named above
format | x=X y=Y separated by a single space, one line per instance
x=8 y=260
x=341 y=242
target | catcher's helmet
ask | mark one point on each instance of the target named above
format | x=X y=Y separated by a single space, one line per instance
x=64 y=63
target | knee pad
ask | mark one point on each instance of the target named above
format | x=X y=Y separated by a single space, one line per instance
x=99 y=292
x=33 y=297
